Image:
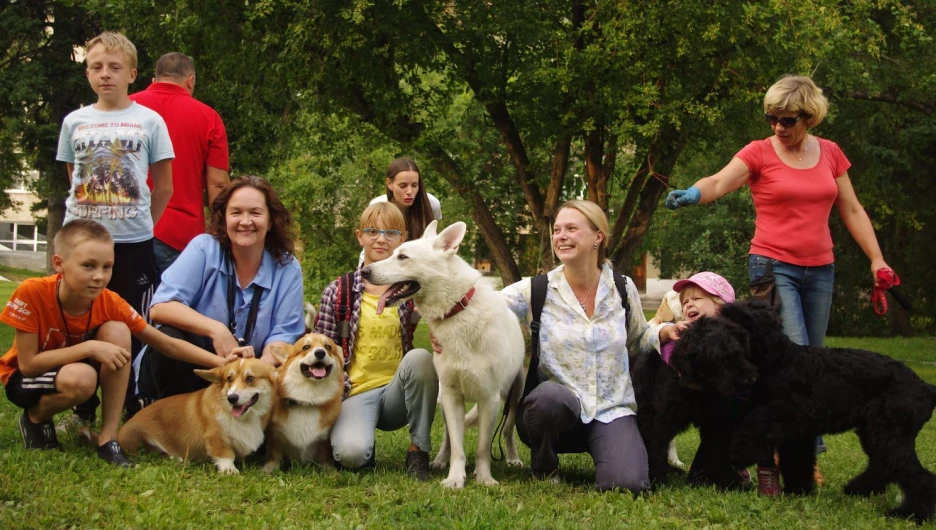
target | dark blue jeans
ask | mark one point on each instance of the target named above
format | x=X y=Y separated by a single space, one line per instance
x=164 y=255
x=805 y=297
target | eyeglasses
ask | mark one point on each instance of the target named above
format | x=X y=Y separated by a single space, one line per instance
x=786 y=122
x=391 y=235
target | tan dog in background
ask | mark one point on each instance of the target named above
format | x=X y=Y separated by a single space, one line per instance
x=220 y=423
x=309 y=391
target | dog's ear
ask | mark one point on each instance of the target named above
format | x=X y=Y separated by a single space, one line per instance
x=212 y=376
x=451 y=237
x=430 y=231
x=280 y=352
x=664 y=313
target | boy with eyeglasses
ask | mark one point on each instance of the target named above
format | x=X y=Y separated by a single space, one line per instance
x=388 y=383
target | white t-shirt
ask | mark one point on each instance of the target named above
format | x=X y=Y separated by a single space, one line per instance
x=436 y=205
x=112 y=152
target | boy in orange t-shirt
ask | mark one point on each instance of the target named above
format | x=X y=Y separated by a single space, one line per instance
x=72 y=332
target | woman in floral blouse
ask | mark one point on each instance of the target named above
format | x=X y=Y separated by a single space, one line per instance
x=585 y=401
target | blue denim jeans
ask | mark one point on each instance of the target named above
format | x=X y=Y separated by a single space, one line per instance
x=164 y=255
x=805 y=297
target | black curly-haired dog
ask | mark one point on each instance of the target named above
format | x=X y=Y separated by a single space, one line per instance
x=665 y=408
x=800 y=392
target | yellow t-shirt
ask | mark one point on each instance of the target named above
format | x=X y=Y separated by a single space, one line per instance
x=378 y=349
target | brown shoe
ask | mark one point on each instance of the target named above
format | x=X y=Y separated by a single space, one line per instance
x=768 y=481
x=817 y=475
x=417 y=465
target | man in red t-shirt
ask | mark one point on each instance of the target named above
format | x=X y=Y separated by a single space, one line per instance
x=201 y=163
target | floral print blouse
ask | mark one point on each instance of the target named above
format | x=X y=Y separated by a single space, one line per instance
x=588 y=355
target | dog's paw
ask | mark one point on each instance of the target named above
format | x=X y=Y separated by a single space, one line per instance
x=441 y=462
x=226 y=466
x=271 y=467
x=486 y=481
x=677 y=463
x=904 y=513
x=514 y=461
x=455 y=483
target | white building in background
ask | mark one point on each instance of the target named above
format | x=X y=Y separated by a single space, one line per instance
x=22 y=243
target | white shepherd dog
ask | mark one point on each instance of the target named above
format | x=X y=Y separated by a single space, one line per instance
x=482 y=344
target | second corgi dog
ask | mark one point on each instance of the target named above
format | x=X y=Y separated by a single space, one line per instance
x=310 y=389
x=220 y=423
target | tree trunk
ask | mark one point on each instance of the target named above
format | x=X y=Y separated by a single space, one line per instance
x=653 y=173
x=481 y=215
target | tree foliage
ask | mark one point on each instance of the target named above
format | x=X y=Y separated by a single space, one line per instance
x=513 y=107
x=40 y=83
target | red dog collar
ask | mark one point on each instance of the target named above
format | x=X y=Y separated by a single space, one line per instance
x=460 y=304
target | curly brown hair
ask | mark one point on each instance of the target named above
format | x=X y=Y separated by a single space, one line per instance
x=279 y=239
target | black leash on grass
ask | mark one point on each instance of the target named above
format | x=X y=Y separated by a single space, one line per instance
x=499 y=431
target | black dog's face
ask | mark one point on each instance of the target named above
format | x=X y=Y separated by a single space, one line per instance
x=714 y=353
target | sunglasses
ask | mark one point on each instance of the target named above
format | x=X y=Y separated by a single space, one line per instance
x=786 y=122
x=391 y=235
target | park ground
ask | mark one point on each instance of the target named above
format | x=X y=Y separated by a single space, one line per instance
x=75 y=489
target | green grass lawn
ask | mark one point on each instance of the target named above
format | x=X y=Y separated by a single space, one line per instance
x=74 y=488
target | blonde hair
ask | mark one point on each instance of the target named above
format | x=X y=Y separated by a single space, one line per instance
x=77 y=232
x=115 y=41
x=598 y=220
x=389 y=213
x=716 y=299
x=797 y=94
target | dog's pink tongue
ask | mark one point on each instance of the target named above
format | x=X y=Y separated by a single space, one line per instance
x=238 y=410
x=318 y=371
x=382 y=301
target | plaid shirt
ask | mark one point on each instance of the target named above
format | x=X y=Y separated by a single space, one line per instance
x=327 y=321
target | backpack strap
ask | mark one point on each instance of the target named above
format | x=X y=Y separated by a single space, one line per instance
x=620 y=281
x=344 y=310
x=538 y=285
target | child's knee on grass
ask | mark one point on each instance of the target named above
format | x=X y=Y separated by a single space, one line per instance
x=114 y=332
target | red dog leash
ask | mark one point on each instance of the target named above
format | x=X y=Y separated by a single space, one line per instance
x=886 y=280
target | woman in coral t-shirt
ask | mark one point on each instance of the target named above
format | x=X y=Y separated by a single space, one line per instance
x=795 y=178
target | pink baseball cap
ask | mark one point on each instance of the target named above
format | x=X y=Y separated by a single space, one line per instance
x=711 y=283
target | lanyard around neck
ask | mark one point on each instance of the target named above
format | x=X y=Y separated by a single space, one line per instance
x=84 y=336
x=251 y=315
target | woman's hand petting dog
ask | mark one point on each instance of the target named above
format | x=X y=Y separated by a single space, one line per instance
x=223 y=341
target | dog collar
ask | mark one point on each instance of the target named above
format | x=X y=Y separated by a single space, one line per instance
x=460 y=304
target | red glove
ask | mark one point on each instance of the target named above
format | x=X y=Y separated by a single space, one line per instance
x=886 y=278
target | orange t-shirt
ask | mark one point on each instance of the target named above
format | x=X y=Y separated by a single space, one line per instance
x=33 y=308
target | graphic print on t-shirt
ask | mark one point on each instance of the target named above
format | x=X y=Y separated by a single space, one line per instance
x=106 y=156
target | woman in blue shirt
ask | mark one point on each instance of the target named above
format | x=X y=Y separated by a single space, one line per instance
x=235 y=291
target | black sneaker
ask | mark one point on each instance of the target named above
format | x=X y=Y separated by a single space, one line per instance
x=114 y=454
x=38 y=435
x=417 y=465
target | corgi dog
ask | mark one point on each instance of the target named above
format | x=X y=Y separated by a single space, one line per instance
x=309 y=393
x=220 y=423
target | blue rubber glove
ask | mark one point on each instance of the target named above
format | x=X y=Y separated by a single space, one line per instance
x=677 y=198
